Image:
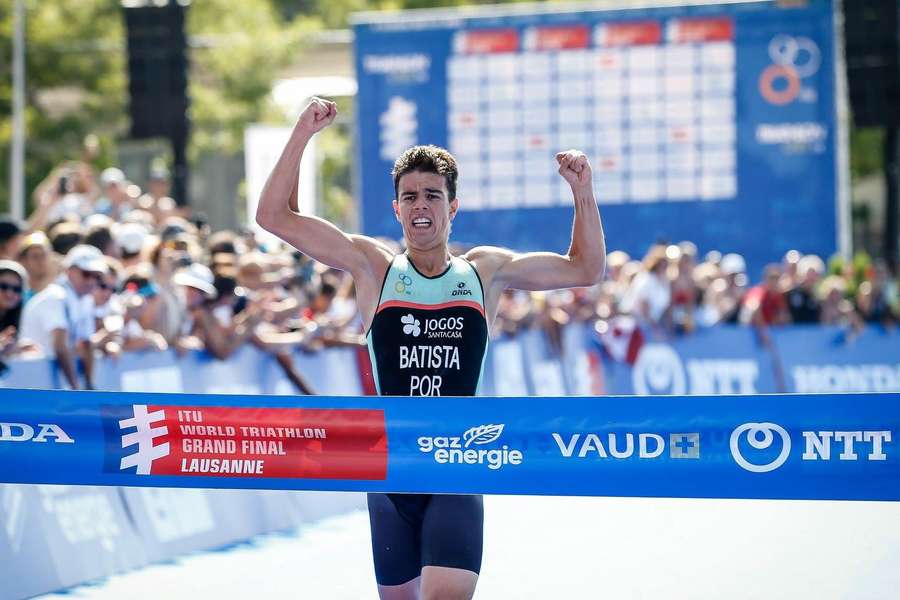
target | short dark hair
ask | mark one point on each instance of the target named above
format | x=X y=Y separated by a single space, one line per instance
x=99 y=236
x=65 y=236
x=10 y=228
x=428 y=159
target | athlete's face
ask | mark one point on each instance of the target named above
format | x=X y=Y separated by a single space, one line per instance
x=424 y=210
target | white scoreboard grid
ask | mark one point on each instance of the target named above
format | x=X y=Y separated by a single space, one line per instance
x=652 y=103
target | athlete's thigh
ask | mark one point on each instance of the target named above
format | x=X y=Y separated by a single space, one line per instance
x=453 y=532
x=446 y=583
x=395 y=542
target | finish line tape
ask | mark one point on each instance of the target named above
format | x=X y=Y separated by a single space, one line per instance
x=820 y=447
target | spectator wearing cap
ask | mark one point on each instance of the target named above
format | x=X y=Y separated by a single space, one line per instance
x=10 y=236
x=223 y=242
x=202 y=330
x=802 y=299
x=114 y=200
x=37 y=257
x=130 y=239
x=60 y=319
x=13 y=281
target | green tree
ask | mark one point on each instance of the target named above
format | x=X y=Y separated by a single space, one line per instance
x=75 y=83
x=77 y=77
x=240 y=49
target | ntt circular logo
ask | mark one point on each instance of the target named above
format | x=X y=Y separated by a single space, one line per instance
x=761 y=438
x=658 y=370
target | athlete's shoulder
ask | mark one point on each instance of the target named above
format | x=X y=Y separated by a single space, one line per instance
x=487 y=259
x=379 y=253
x=488 y=254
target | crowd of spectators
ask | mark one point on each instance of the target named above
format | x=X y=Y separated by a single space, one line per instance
x=103 y=267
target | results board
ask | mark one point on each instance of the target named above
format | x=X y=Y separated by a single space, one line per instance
x=711 y=123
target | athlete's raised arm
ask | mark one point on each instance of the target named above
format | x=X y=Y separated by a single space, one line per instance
x=582 y=265
x=278 y=209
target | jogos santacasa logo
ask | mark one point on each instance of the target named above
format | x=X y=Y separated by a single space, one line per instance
x=459 y=450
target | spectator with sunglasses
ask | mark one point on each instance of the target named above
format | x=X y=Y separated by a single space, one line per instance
x=60 y=319
x=12 y=290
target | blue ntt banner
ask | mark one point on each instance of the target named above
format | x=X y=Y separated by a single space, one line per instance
x=827 y=447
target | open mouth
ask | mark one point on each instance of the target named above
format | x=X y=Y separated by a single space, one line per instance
x=421 y=223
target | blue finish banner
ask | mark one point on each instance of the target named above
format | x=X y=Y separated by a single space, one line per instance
x=826 y=447
x=710 y=123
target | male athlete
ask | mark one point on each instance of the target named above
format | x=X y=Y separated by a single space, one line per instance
x=428 y=315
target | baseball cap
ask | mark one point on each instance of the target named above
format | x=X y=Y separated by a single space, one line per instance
x=11 y=265
x=111 y=176
x=97 y=220
x=130 y=237
x=37 y=238
x=86 y=258
x=732 y=264
x=196 y=276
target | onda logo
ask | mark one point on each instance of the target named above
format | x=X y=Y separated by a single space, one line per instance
x=411 y=325
x=456 y=450
x=461 y=290
x=20 y=432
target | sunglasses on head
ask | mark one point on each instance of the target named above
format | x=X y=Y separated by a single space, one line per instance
x=15 y=289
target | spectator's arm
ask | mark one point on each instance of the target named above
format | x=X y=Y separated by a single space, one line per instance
x=86 y=352
x=283 y=309
x=7 y=341
x=214 y=338
x=64 y=356
x=147 y=340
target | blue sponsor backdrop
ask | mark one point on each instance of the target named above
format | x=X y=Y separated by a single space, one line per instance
x=733 y=360
x=784 y=148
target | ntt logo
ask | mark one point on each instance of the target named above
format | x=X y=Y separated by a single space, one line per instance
x=766 y=447
x=660 y=371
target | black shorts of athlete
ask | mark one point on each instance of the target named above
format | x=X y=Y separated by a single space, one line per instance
x=411 y=531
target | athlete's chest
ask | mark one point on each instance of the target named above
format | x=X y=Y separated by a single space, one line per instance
x=410 y=286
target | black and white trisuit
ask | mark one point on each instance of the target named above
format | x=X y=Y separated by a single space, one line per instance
x=428 y=338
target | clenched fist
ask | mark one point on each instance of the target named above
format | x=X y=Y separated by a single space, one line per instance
x=574 y=168
x=317 y=115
